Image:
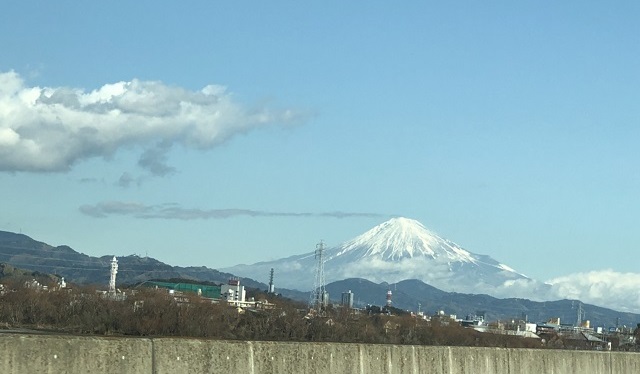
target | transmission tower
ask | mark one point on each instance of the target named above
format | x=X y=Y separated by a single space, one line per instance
x=580 y=314
x=318 y=298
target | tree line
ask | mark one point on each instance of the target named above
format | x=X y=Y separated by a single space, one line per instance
x=153 y=312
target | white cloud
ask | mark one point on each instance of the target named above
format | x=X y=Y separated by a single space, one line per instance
x=51 y=128
x=607 y=288
x=604 y=288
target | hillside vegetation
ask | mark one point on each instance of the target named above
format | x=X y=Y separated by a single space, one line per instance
x=153 y=312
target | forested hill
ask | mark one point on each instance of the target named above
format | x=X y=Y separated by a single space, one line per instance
x=24 y=252
x=9 y=273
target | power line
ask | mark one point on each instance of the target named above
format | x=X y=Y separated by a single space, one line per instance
x=91 y=261
x=53 y=258
x=51 y=250
x=104 y=269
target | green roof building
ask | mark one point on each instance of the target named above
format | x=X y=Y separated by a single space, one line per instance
x=205 y=290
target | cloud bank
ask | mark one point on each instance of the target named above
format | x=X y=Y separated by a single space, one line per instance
x=175 y=212
x=605 y=288
x=49 y=129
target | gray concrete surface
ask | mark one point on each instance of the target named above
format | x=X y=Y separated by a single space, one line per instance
x=22 y=354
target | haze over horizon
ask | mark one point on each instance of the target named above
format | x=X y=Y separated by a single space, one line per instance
x=219 y=134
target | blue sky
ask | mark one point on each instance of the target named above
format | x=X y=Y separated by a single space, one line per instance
x=509 y=128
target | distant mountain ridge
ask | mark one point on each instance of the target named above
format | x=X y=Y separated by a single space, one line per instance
x=24 y=252
x=398 y=249
x=408 y=294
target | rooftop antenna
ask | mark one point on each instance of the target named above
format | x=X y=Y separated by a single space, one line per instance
x=114 y=271
x=318 y=294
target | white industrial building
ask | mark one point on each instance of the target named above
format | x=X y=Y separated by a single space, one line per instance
x=233 y=292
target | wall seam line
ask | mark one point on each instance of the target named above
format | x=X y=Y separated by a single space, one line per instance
x=153 y=357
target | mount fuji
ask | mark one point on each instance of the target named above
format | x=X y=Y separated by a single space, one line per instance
x=396 y=250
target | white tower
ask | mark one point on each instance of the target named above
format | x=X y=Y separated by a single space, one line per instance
x=114 y=271
x=272 y=287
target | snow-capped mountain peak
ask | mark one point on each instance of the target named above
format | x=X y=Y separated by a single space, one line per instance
x=400 y=238
x=395 y=250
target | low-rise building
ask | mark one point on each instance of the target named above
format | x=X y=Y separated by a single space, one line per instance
x=233 y=292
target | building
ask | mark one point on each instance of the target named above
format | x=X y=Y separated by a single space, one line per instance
x=233 y=292
x=204 y=290
x=347 y=299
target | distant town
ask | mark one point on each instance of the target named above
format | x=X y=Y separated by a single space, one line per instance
x=180 y=307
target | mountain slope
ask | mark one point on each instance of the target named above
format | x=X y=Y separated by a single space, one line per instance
x=22 y=251
x=10 y=274
x=395 y=250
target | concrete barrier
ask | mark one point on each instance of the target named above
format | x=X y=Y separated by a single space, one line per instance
x=21 y=354
x=70 y=354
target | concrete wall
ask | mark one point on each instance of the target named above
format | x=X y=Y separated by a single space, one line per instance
x=68 y=354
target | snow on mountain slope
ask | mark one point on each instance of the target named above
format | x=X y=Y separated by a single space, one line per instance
x=395 y=250
x=399 y=238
